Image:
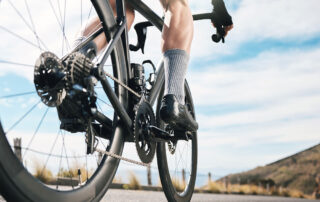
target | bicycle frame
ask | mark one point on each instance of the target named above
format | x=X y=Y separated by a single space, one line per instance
x=121 y=32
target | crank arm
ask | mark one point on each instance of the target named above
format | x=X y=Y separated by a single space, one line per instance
x=161 y=135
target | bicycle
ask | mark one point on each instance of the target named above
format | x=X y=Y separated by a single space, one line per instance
x=75 y=85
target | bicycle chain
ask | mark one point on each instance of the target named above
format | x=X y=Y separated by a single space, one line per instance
x=121 y=84
x=123 y=158
x=110 y=153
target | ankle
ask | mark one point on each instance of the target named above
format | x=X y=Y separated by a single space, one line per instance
x=175 y=65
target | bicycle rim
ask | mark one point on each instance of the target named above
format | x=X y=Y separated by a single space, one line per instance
x=177 y=163
x=30 y=28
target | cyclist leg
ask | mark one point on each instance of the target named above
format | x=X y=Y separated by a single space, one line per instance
x=177 y=35
x=100 y=42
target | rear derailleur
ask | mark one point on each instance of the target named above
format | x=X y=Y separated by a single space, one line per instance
x=69 y=86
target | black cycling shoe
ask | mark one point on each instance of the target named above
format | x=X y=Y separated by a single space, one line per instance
x=177 y=115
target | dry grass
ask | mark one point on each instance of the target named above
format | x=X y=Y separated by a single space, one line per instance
x=134 y=182
x=296 y=194
x=220 y=187
x=178 y=184
x=117 y=179
x=215 y=187
x=74 y=170
x=41 y=173
x=297 y=172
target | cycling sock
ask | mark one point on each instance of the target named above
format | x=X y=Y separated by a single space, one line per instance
x=175 y=67
x=90 y=50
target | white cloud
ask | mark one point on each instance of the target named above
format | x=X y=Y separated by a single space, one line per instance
x=293 y=108
x=278 y=87
x=277 y=19
x=268 y=77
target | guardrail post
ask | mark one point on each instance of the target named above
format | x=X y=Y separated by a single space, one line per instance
x=99 y=157
x=149 y=175
x=183 y=176
x=17 y=148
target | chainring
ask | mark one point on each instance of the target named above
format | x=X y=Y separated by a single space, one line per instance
x=144 y=141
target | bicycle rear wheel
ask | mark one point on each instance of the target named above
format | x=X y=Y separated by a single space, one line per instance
x=55 y=156
x=177 y=161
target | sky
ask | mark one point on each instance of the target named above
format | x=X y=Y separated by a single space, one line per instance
x=257 y=97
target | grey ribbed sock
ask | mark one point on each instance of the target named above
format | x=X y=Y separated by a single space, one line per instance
x=175 y=67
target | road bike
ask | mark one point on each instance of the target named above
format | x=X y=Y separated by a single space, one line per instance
x=74 y=114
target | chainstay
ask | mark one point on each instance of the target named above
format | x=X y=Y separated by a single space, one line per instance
x=123 y=158
x=122 y=84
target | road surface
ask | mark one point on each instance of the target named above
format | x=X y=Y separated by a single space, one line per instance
x=116 y=195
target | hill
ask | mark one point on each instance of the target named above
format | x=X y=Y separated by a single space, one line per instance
x=298 y=171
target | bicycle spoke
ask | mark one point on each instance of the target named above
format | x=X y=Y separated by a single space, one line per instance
x=59 y=9
x=102 y=143
x=88 y=18
x=14 y=63
x=33 y=26
x=54 y=12
x=60 y=23
x=180 y=156
x=18 y=94
x=81 y=14
x=16 y=123
x=99 y=106
x=59 y=162
x=63 y=24
x=51 y=150
x=65 y=152
x=108 y=104
x=18 y=36
x=36 y=131
x=25 y=22
x=97 y=160
x=86 y=168
x=53 y=155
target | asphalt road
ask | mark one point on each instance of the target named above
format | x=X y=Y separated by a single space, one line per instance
x=116 y=195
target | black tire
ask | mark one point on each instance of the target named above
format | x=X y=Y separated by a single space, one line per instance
x=17 y=184
x=174 y=189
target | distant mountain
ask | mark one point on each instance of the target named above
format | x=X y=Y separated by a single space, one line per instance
x=298 y=171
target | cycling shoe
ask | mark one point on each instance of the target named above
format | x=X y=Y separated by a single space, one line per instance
x=176 y=114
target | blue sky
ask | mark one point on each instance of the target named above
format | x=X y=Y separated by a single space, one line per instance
x=257 y=96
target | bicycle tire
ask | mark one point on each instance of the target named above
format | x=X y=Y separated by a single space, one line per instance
x=166 y=176
x=17 y=184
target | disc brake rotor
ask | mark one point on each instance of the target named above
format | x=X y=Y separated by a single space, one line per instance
x=48 y=74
